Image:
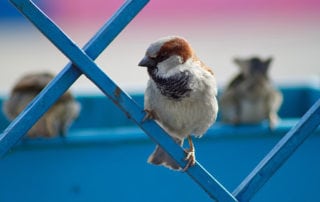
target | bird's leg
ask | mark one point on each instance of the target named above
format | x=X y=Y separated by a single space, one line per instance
x=273 y=120
x=190 y=154
x=150 y=114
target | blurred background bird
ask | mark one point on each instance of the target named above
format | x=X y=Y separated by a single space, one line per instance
x=56 y=120
x=250 y=96
x=180 y=95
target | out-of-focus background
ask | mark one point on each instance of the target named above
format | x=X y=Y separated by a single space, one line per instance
x=218 y=30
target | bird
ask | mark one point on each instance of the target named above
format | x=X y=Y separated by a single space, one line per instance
x=56 y=120
x=180 y=96
x=250 y=97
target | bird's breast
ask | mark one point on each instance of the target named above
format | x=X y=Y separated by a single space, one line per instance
x=186 y=116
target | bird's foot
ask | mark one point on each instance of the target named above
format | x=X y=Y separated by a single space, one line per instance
x=190 y=155
x=150 y=114
x=190 y=158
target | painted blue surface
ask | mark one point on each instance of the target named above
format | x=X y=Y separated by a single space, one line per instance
x=103 y=158
x=82 y=60
x=279 y=154
x=85 y=64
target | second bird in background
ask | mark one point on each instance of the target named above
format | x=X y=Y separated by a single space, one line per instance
x=250 y=97
x=56 y=120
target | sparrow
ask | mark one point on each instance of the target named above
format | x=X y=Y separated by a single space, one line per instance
x=250 y=97
x=180 y=95
x=56 y=120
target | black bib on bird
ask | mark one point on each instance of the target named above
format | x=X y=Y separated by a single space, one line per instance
x=174 y=87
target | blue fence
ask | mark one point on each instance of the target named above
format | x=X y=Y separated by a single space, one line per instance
x=82 y=63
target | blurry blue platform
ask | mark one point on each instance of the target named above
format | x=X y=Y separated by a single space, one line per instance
x=103 y=158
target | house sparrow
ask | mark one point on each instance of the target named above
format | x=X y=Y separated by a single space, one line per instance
x=250 y=97
x=56 y=120
x=180 y=95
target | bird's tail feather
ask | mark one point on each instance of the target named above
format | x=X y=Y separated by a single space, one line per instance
x=161 y=157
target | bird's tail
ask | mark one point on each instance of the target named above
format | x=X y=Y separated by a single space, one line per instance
x=161 y=157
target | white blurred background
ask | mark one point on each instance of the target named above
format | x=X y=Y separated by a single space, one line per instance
x=218 y=30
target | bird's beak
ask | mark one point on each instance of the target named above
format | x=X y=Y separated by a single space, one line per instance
x=147 y=62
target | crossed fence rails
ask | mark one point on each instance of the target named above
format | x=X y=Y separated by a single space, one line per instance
x=82 y=63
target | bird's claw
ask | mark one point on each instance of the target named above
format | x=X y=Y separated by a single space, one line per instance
x=190 y=158
x=150 y=114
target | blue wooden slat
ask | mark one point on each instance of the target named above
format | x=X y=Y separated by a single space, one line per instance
x=26 y=119
x=279 y=154
x=65 y=78
x=120 y=98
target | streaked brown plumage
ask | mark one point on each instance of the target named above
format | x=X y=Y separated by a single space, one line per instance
x=250 y=96
x=56 y=120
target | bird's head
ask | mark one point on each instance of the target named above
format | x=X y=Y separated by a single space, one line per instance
x=253 y=66
x=167 y=53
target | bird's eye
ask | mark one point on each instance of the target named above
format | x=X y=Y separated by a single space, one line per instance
x=165 y=53
x=162 y=56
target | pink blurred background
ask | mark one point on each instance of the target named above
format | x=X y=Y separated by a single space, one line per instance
x=219 y=30
x=223 y=9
